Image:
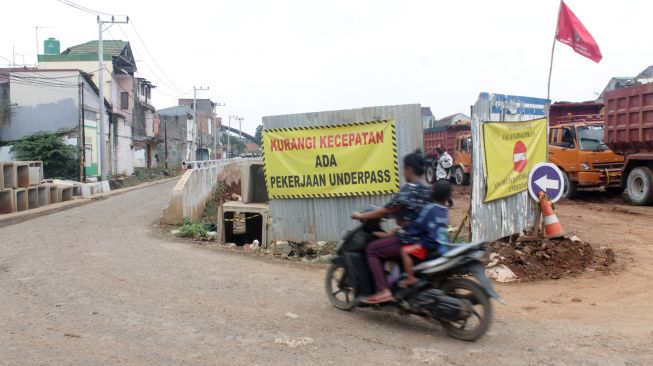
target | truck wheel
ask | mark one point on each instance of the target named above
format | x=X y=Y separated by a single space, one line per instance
x=460 y=178
x=571 y=188
x=430 y=174
x=640 y=186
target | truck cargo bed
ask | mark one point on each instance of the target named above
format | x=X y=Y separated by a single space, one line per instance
x=629 y=119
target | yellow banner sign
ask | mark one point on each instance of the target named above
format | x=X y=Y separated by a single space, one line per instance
x=511 y=150
x=331 y=161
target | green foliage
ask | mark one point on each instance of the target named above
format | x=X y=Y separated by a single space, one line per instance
x=258 y=136
x=60 y=160
x=237 y=144
x=191 y=229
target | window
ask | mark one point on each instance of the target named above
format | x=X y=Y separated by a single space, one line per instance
x=567 y=139
x=124 y=100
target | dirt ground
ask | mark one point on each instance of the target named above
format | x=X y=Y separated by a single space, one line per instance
x=98 y=285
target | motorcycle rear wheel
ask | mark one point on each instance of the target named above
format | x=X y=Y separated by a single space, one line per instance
x=339 y=288
x=480 y=314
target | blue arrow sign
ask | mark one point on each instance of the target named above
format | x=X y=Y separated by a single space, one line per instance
x=547 y=178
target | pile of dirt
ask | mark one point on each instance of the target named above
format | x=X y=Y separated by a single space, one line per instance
x=549 y=259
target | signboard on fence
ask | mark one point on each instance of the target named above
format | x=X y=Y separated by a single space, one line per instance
x=511 y=151
x=331 y=161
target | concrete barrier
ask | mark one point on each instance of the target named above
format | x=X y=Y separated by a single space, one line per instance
x=7 y=201
x=66 y=193
x=22 y=174
x=20 y=199
x=32 y=197
x=194 y=188
x=39 y=165
x=10 y=177
x=34 y=176
x=55 y=193
x=44 y=195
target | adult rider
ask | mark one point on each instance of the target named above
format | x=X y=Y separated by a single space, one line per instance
x=405 y=206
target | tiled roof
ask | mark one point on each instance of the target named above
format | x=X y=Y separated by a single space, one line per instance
x=111 y=47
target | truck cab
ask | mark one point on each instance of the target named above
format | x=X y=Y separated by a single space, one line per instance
x=457 y=140
x=462 y=158
x=577 y=148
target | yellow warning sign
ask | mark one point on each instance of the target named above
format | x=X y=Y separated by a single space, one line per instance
x=331 y=161
x=511 y=150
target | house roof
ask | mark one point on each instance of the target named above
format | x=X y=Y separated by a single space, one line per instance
x=111 y=47
x=117 y=51
x=449 y=120
x=176 y=111
x=645 y=75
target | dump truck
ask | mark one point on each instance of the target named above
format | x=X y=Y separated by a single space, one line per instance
x=629 y=132
x=457 y=140
x=576 y=146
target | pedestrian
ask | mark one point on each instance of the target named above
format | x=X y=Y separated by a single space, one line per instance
x=445 y=162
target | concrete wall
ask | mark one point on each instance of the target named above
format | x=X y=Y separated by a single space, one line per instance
x=40 y=106
x=194 y=188
x=90 y=67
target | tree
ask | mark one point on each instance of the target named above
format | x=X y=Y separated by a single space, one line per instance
x=60 y=160
x=258 y=136
x=237 y=144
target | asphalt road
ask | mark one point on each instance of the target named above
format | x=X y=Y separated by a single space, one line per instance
x=97 y=285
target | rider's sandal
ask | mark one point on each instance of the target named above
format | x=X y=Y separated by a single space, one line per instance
x=380 y=299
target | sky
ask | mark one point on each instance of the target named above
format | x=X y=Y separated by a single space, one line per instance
x=265 y=58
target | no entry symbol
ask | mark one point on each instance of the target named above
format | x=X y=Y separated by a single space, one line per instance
x=519 y=156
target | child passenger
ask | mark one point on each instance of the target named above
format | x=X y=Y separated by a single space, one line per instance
x=432 y=229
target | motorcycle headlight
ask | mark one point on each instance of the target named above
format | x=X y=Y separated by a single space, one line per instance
x=584 y=166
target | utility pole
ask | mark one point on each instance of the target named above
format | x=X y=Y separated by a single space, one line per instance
x=229 y=135
x=216 y=132
x=240 y=133
x=195 y=90
x=100 y=52
x=37 y=43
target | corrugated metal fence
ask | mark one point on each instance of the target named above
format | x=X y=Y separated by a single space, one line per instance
x=504 y=217
x=328 y=218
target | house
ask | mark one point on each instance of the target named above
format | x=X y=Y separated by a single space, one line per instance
x=644 y=77
x=145 y=126
x=614 y=83
x=207 y=127
x=428 y=120
x=451 y=120
x=130 y=123
x=177 y=133
x=61 y=101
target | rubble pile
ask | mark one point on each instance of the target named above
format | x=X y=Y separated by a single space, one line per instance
x=545 y=259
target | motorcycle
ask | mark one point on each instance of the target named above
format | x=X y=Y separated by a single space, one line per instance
x=451 y=289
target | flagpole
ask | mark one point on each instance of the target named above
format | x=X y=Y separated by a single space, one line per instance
x=548 y=86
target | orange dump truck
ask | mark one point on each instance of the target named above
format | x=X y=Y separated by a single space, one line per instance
x=576 y=146
x=457 y=140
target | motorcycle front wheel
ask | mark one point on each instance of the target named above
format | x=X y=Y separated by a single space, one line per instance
x=339 y=288
x=477 y=316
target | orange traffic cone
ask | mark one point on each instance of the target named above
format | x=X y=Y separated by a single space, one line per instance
x=552 y=227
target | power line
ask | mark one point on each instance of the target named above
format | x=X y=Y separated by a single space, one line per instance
x=163 y=82
x=152 y=57
x=85 y=9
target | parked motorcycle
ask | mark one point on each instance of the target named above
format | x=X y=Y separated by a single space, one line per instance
x=452 y=288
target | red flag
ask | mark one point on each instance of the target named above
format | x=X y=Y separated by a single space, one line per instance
x=574 y=34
